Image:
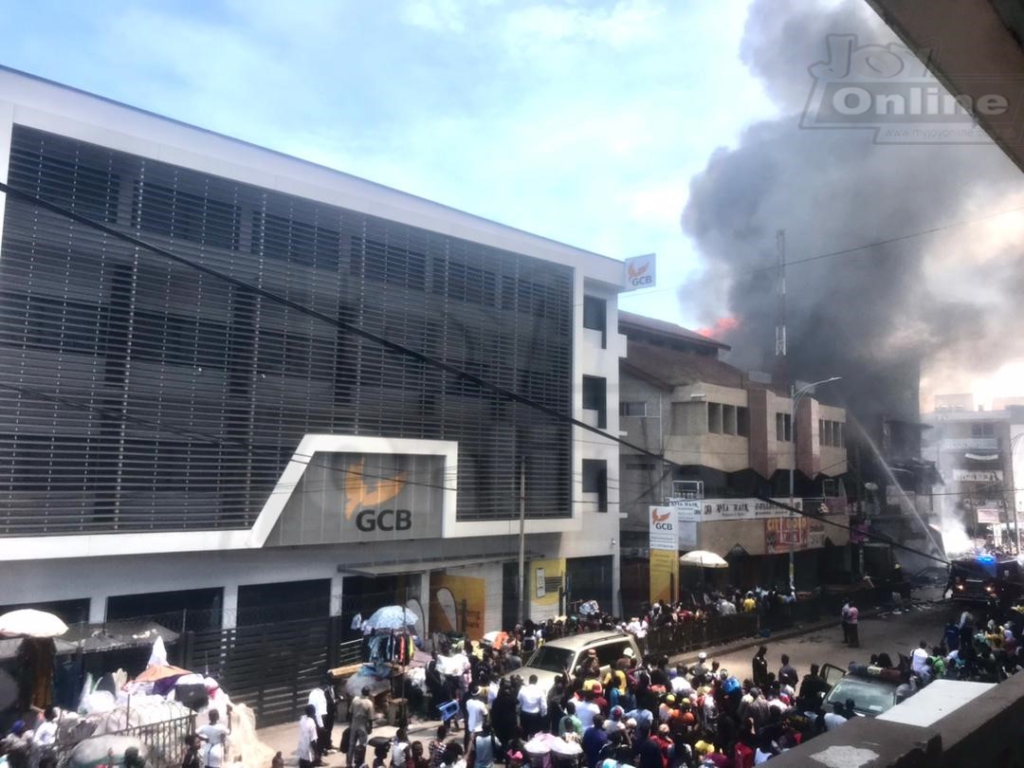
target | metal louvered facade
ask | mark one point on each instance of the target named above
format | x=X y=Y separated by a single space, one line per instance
x=139 y=395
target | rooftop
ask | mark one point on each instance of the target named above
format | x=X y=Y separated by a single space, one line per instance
x=628 y=320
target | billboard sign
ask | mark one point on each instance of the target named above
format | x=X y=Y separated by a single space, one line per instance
x=364 y=497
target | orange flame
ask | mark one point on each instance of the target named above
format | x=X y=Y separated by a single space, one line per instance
x=721 y=327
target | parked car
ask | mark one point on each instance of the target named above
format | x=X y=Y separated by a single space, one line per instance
x=566 y=653
x=872 y=693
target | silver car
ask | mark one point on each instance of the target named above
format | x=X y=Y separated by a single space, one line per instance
x=566 y=653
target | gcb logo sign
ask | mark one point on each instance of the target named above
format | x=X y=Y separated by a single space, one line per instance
x=366 y=493
x=370 y=520
x=640 y=272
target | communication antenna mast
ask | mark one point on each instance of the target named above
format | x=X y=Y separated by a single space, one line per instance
x=781 y=361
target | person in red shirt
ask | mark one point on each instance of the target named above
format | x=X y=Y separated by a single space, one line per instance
x=600 y=700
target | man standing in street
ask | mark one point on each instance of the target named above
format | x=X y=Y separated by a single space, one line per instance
x=307 y=750
x=760 y=665
x=851 y=623
x=846 y=621
x=476 y=714
x=361 y=711
x=318 y=700
x=533 y=708
x=788 y=675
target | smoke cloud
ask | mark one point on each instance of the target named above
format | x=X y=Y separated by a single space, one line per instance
x=941 y=306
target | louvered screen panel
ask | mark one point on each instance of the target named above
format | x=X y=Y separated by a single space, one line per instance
x=139 y=395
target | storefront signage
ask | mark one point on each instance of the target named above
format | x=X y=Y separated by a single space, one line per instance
x=349 y=497
x=663 y=534
x=781 y=532
x=970 y=444
x=978 y=475
x=708 y=510
x=988 y=515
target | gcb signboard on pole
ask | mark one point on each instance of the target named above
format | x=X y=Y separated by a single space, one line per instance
x=664 y=553
x=639 y=272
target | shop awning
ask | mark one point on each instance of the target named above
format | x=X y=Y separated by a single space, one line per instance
x=431 y=564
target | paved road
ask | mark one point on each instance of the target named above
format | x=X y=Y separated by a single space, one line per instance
x=889 y=633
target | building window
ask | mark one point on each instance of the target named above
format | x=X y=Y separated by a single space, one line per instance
x=821 y=432
x=595 y=399
x=638 y=408
x=983 y=430
x=595 y=480
x=742 y=422
x=729 y=419
x=783 y=427
x=595 y=317
x=715 y=418
x=840 y=442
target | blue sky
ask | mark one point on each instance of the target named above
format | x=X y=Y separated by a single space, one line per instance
x=581 y=120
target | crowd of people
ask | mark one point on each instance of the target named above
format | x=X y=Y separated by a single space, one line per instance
x=642 y=713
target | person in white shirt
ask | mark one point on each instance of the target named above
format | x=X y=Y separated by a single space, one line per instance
x=46 y=732
x=476 y=714
x=834 y=719
x=216 y=737
x=307 y=738
x=533 y=708
x=586 y=709
x=318 y=699
x=919 y=661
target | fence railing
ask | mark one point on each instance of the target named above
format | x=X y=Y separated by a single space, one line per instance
x=700 y=633
x=164 y=739
x=716 y=630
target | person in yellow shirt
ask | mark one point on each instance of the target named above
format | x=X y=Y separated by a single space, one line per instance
x=749 y=603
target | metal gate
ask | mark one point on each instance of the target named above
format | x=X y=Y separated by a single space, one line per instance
x=270 y=667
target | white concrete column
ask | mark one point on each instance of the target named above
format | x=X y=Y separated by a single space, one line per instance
x=229 y=611
x=424 y=598
x=97 y=609
x=337 y=593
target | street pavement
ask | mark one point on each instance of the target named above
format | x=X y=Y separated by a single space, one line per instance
x=883 y=632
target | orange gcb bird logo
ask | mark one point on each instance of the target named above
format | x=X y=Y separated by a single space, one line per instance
x=359 y=494
x=659 y=518
x=634 y=273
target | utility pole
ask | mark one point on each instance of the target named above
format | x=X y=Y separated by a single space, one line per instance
x=522 y=541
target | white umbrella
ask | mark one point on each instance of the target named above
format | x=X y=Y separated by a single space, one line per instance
x=392 y=617
x=29 y=622
x=701 y=558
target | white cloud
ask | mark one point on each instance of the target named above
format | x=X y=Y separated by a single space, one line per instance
x=447 y=16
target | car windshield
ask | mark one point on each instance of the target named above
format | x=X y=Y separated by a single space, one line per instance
x=551 y=659
x=868 y=697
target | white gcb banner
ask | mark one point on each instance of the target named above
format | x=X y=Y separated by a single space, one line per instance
x=663 y=529
x=639 y=272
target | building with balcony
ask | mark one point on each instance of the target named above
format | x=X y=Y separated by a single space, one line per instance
x=727 y=438
x=976 y=454
x=172 y=442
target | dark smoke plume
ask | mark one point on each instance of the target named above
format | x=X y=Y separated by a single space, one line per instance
x=943 y=304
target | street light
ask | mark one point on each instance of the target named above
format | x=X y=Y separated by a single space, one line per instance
x=797 y=396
